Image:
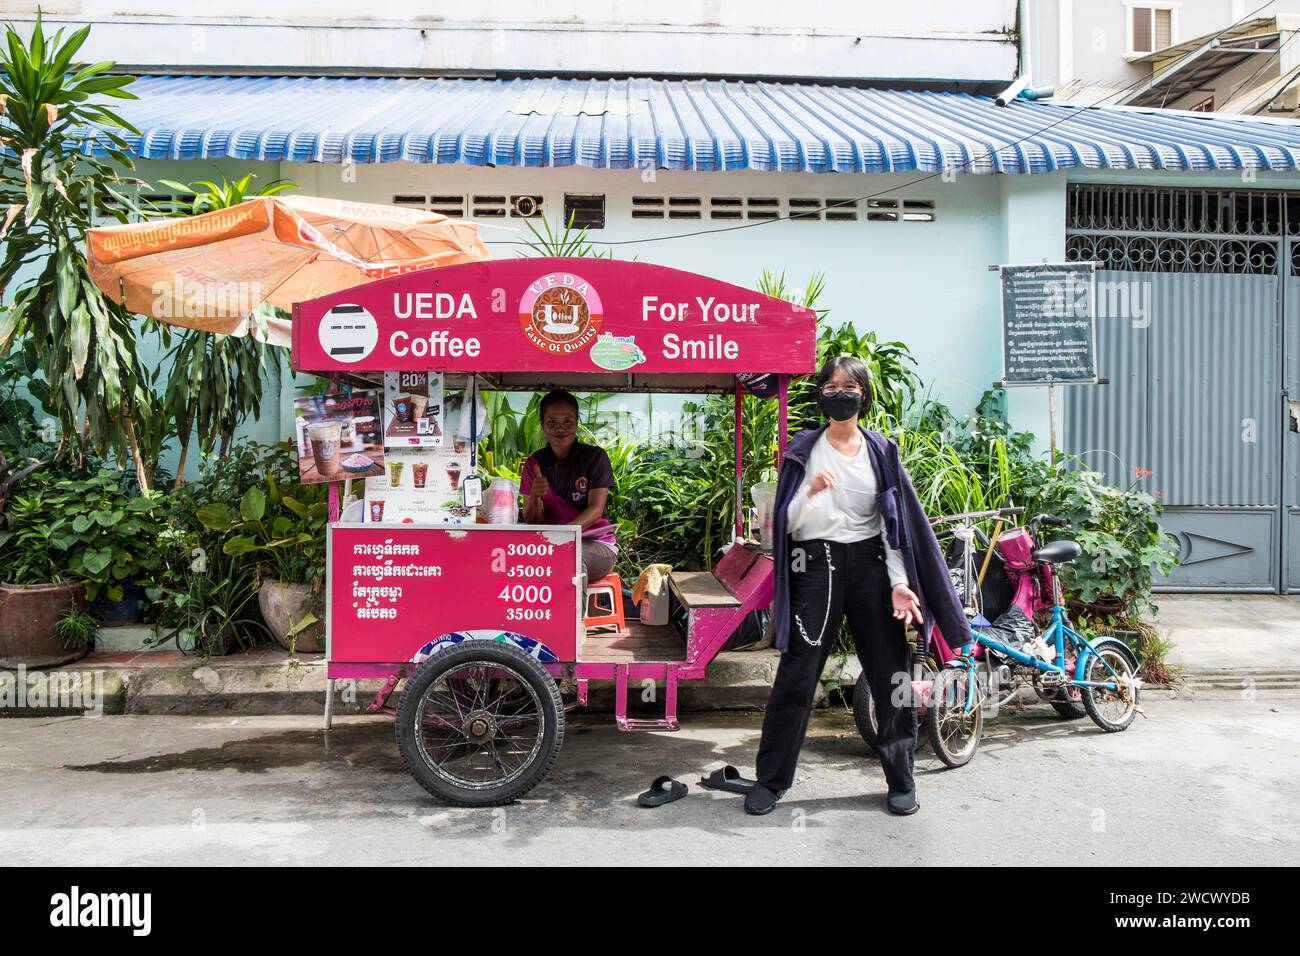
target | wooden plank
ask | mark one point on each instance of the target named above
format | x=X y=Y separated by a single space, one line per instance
x=700 y=589
x=642 y=643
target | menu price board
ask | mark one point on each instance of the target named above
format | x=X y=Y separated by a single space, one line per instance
x=419 y=486
x=1049 y=334
x=392 y=590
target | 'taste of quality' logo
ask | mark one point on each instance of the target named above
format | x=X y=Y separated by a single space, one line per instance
x=560 y=313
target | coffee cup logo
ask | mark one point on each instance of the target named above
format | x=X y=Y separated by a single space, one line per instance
x=560 y=313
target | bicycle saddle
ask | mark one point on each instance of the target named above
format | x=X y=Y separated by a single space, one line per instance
x=1058 y=552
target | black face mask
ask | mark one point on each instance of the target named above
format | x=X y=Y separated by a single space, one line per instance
x=841 y=406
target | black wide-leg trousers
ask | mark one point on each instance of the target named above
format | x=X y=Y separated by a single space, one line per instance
x=829 y=580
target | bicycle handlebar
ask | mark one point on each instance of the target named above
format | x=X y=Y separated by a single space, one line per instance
x=973 y=515
x=1051 y=522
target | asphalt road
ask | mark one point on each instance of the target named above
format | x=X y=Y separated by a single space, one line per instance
x=1204 y=782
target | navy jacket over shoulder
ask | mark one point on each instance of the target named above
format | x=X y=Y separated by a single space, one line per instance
x=905 y=523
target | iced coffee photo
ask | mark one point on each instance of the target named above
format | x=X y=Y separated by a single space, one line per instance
x=326 y=440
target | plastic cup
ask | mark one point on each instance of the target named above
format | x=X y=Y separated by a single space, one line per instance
x=325 y=438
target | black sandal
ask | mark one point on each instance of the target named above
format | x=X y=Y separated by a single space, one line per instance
x=664 y=790
x=727 y=778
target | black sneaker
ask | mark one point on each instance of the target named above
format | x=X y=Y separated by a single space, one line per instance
x=903 y=803
x=760 y=800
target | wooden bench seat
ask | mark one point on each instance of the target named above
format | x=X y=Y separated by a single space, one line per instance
x=701 y=589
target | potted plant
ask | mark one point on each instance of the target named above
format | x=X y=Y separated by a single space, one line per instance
x=285 y=535
x=205 y=600
x=68 y=543
x=1122 y=543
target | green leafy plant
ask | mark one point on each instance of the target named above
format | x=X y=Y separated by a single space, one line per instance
x=82 y=530
x=548 y=240
x=207 y=601
x=284 y=534
x=76 y=628
x=1119 y=531
x=204 y=195
x=49 y=190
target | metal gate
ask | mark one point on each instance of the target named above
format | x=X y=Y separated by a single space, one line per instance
x=1198 y=326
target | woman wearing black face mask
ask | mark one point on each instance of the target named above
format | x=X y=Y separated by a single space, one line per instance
x=851 y=539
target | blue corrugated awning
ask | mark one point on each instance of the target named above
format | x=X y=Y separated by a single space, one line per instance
x=675 y=124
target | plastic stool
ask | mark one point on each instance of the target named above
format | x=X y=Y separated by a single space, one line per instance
x=610 y=585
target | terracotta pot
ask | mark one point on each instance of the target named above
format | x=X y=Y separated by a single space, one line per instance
x=28 y=613
x=283 y=604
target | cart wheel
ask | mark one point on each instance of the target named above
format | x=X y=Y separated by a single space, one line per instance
x=480 y=724
x=864 y=706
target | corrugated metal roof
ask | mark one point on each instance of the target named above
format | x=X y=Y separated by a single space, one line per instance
x=675 y=124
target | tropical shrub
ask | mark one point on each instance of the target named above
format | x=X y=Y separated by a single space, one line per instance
x=67 y=529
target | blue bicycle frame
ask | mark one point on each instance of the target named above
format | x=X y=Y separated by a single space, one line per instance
x=1056 y=635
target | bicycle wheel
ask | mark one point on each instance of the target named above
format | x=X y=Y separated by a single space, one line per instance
x=953 y=729
x=480 y=724
x=1111 y=710
x=864 y=706
x=1066 y=701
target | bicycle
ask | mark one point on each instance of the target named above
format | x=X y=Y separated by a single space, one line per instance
x=1102 y=671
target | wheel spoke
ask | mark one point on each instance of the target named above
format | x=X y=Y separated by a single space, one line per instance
x=495 y=696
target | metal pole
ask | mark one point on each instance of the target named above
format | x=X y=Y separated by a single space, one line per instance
x=739 y=459
x=334 y=485
x=1051 y=419
x=783 y=397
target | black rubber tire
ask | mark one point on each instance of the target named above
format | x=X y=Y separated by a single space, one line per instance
x=941 y=702
x=1122 y=660
x=1070 y=709
x=492 y=654
x=864 y=713
x=1074 y=709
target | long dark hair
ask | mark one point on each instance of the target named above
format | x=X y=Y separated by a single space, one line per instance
x=853 y=367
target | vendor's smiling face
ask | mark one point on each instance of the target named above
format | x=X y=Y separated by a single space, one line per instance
x=560 y=426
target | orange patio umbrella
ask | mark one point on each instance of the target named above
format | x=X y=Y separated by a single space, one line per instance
x=211 y=271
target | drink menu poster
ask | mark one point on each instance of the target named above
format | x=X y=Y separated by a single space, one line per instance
x=419 y=486
x=338 y=436
x=413 y=410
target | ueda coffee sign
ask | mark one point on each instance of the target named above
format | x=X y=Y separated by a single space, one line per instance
x=556 y=314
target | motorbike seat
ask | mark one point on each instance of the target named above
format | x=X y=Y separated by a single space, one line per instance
x=1058 y=552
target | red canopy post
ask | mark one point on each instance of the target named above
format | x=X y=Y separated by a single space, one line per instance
x=740 y=400
x=334 y=485
x=783 y=398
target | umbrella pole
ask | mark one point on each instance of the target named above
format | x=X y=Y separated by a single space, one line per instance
x=334 y=485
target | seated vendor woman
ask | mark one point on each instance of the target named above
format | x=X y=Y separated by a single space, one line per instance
x=568 y=482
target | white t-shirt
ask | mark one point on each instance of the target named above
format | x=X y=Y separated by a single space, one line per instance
x=846 y=512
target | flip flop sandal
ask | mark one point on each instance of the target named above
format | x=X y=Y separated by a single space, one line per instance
x=727 y=778
x=664 y=790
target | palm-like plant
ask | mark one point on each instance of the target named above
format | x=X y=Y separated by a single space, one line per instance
x=50 y=189
x=556 y=242
x=205 y=195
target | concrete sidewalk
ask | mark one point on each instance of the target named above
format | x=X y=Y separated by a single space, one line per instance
x=1224 y=646
x=1233 y=642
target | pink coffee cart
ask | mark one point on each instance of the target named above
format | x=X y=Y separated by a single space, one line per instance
x=485 y=622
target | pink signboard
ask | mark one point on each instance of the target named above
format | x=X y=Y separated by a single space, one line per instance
x=392 y=589
x=570 y=315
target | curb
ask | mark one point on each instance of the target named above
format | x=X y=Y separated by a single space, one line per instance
x=281 y=685
x=277 y=684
